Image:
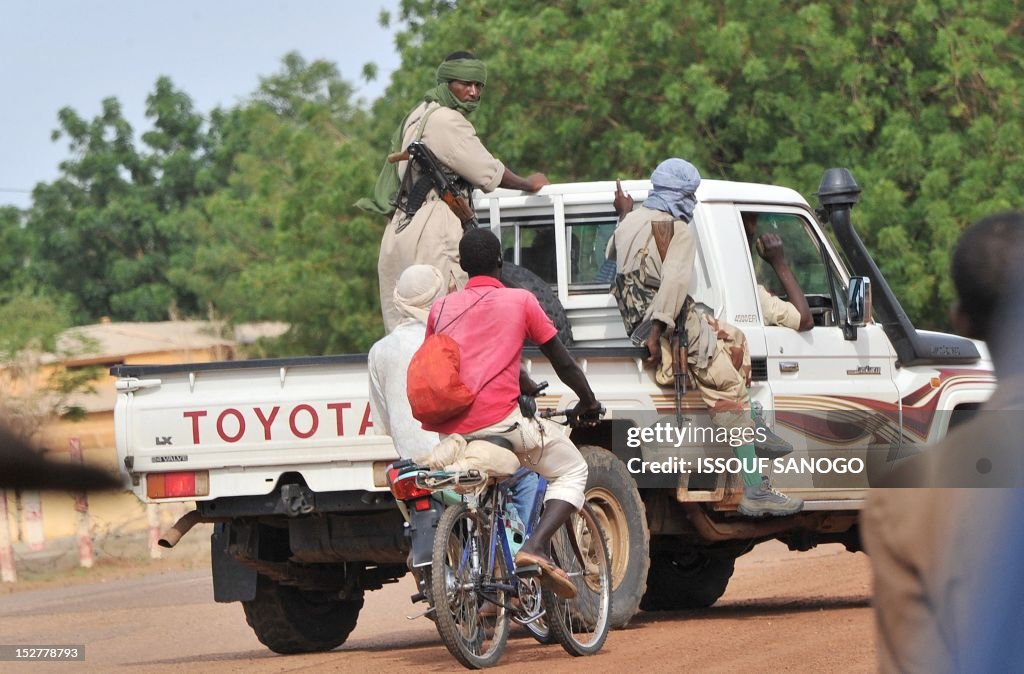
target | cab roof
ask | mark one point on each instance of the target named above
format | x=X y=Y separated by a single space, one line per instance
x=709 y=191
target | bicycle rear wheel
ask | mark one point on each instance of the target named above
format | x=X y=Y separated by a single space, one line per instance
x=580 y=548
x=469 y=607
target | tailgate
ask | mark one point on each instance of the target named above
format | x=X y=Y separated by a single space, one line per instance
x=249 y=422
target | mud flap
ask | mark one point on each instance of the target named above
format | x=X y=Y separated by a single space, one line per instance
x=422 y=530
x=232 y=580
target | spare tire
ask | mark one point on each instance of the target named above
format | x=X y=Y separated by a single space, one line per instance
x=693 y=578
x=288 y=620
x=514 y=276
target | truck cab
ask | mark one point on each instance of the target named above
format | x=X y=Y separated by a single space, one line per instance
x=845 y=373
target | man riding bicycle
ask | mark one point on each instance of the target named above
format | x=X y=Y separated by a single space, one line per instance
x=489 y=323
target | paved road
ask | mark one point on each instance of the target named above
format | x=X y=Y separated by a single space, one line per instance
x=783 y=611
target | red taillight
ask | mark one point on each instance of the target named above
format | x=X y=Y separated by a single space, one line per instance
x=422 y=504
x=176 y=485
x=404 y=488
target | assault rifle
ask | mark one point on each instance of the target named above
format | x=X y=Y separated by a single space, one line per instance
x=446 y=188
x=679 y=344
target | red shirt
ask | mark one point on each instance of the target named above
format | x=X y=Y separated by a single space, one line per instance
x=489 y=322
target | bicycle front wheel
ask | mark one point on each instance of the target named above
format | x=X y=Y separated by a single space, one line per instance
x=470 y=599
x=580 y=548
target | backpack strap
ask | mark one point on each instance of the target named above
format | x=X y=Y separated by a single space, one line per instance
x=464 y=311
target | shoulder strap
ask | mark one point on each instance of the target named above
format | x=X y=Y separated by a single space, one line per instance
x=464 y=311
x=423 y=120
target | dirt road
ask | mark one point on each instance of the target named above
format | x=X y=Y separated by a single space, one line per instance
x=783 y=611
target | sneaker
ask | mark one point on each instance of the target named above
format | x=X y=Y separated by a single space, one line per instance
x=773 y=446
x=760 y=500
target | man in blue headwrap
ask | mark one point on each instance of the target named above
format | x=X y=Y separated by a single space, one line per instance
x=654 y=247
x=428 y=232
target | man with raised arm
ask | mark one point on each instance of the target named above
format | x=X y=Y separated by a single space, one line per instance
x=423 y=229
x=793 y=312
x=654 y=247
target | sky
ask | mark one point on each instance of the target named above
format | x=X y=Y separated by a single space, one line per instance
x=57 y=53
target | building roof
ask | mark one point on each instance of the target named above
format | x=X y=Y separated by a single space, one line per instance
x=181 y=341
x=110 y=342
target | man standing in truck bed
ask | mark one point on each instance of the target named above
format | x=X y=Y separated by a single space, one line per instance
x=654 y=247
x=428 y=232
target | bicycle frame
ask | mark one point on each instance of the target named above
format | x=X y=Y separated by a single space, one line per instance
x=498 y=542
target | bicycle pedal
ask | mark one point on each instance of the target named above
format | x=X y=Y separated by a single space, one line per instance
x=420 y=615
x=528 y=571
x=418 y=597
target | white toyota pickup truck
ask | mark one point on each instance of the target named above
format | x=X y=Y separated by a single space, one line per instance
x=281 y=454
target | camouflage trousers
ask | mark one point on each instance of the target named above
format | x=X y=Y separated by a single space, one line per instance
x=724 y=383
x=719 y=365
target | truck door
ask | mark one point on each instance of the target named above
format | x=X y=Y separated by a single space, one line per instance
x=833 y=398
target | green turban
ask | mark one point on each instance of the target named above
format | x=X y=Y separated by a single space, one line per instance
x=466 y=70
x=385 y=192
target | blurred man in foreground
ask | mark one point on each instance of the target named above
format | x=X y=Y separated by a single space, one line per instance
x=948 y=564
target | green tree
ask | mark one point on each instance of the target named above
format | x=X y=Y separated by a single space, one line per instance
x=14 y=250
x=920 y=98
x=107 y=230
x=282 y=241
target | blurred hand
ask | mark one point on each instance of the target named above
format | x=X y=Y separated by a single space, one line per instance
x=537 y=181
x=585 y=416
x=622 y=203
x=653 y=342
x=769 y=247
x=653 y=345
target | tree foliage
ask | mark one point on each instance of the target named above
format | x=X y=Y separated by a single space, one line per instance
x=921 y=100
x=14 y=251
x=107 y=231
x=282 y=241
x=246 y=212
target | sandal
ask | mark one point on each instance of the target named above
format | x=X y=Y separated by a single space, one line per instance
x=551 y=577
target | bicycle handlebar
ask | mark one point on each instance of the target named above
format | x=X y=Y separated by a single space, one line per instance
x=571 y=417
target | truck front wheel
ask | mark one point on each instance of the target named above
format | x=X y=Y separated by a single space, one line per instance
x=288 y=620
x=612 y=493
x=695 y=579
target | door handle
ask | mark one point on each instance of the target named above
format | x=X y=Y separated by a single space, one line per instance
x=789 y=366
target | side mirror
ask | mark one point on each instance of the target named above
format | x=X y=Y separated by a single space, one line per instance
x=858 y=306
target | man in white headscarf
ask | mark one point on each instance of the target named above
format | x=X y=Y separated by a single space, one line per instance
x=417 y=288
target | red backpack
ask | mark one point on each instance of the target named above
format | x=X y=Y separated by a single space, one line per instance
x=436 y=393
x=433 y=383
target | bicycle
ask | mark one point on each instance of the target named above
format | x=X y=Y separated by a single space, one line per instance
x=474 y=580
x=423 y=509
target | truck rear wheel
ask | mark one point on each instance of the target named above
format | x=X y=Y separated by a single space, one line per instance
x=514 y=276
x=696 y=580
x=288 y=620
x=612 y=494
